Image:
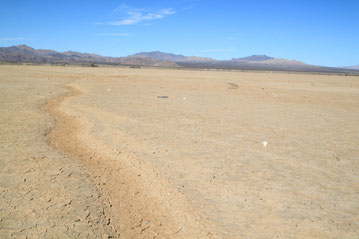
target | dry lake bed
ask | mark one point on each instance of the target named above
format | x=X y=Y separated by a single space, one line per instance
x=159 y=153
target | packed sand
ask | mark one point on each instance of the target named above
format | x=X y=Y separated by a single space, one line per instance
x=155 y=153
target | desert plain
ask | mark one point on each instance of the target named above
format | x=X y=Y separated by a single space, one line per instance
x=107 y=152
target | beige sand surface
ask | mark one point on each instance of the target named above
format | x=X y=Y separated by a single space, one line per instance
x=42 y=193
x=187 y=166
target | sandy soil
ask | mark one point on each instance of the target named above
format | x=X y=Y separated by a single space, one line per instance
x=42 y=193
x=192 y=165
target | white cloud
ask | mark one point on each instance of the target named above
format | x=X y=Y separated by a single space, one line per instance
x=134 y=16
x=12 y=39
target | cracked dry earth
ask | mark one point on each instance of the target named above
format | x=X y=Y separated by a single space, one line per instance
x=43 y=194
x=55 y=185
x=157 y=153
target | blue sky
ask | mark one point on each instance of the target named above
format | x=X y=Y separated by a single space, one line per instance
x=316 y=32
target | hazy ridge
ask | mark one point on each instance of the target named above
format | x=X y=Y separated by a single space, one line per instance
x=24 y=53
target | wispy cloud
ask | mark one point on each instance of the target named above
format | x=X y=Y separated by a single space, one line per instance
x=218 y=50
x=12 y=38
x=114 y=34
x=134 y=15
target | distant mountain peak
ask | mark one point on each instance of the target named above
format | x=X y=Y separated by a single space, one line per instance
x=158 y=55
x=163 y=56
x=24 y=47
x=253 y=58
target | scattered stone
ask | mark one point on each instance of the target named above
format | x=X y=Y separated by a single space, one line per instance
x=232 y=86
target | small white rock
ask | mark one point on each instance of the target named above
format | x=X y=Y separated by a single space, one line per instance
x=184 y=98
x=265 y=143
x=108 y=89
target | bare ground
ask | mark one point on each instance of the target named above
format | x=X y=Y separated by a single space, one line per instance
x=192 y=164
x=43 y=194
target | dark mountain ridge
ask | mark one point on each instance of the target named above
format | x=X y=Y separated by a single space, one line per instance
x=24 y=53
x=158 y=55
x=253 y=58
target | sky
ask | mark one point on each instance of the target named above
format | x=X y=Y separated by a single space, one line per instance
x=316 y=32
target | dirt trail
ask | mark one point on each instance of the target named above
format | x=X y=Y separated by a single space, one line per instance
x=139 y=203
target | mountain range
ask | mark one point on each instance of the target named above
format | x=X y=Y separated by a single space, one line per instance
x=356 y=67
x=24 y=53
